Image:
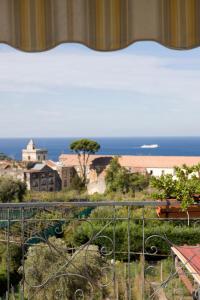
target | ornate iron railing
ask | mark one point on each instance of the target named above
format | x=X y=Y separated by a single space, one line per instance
x=94 y=250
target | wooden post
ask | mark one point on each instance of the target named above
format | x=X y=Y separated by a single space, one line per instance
x=161 y=272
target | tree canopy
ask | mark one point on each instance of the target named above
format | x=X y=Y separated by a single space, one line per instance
x=84 y=148
x=11 y=189
x=182 y=186
x=4 y=157
x=119 y=179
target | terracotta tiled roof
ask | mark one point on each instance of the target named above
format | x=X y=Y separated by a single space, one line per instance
x=72 y=159
x=137 y=161
x=52 y=164
x=190 y=257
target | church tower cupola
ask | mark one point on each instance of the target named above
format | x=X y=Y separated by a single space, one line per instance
x=33 y=154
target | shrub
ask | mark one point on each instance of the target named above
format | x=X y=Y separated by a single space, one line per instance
x=119 y=179
x=15 y=262
x=53 y=267
x=163 y=234
x=182 y=186
x=11 y=190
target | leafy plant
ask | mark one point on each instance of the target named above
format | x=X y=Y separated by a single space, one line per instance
x=119 y=179
x=14 y=263
x=11 y=189
x=179 y=233
x=182 y=186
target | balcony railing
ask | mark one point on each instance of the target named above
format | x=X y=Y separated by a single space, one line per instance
x=94 y=250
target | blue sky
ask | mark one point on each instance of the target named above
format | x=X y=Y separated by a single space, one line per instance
x=143 y=90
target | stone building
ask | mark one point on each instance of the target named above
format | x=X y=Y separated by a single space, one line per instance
x=95 y=171
x=66 y=173
x=42 y=178
x=152 y=165
x=12 y=169
x=31 y=153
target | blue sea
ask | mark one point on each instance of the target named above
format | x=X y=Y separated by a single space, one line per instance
x=168 y=146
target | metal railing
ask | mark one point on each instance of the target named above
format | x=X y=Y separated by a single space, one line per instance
x=94 y=250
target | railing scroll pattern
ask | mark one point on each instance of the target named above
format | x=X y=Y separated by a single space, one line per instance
x=94 y=250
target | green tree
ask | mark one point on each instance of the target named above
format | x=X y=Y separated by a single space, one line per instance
x=84 y=148
x=183 y=186
x=119 y=179
x=139 y=181
x=77 y=183
x=4 y=157
x=14 y=264
x=60 y=274
x=11 y=189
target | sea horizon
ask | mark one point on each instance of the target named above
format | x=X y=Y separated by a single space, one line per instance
x=167 y=146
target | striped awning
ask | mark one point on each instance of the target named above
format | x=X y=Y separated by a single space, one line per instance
x=37 y=25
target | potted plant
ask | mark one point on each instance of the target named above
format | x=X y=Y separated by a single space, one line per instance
x=181 y=191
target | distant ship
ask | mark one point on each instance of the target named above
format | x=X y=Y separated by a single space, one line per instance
x=150 y=146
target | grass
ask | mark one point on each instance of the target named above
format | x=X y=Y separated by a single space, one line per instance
x=67 y=195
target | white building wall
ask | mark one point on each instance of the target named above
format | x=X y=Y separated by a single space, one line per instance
x=34 y=155
x=157 y=172
x=29 y=155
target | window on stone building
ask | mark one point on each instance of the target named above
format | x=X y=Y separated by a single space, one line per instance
x=35 y=184
x=44 y=182
x=51 y=181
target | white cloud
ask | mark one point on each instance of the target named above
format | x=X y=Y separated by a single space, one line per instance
x=52 y=72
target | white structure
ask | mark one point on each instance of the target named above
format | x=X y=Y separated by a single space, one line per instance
x=157 y=165
x=153 y=165
x=31 y=153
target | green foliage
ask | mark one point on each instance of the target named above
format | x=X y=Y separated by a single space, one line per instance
x=119 y=179
x=166 y=186
x=84 y=148
x=182 y=186
x=14 y=262
x=4 y=157
x=77 y=184
x=178 y=233
x=139 y=181
x=11 y=190
x=53 y=267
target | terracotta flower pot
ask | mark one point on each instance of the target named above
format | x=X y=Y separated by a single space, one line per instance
x=174 y=210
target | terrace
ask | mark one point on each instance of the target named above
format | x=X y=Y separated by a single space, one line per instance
x=95 y=250
x=88 y=250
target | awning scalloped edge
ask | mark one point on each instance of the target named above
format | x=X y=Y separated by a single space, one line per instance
x=105 y=25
